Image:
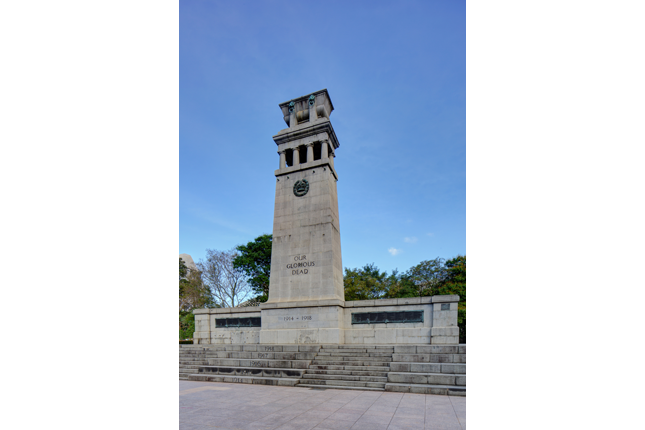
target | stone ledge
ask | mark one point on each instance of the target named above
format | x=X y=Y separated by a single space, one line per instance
x=305 y=166
x=445 y=299
x=302 y=304
x=226 y=310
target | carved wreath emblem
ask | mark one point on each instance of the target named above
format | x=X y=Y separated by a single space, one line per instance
x=301 y=187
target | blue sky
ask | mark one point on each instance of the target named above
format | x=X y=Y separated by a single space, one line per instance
x=396 y=73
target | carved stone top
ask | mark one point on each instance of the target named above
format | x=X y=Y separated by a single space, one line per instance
x=318 y=99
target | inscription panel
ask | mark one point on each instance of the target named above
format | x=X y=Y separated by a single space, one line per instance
x=387 y=317
x=300 y=265
x=238 y=322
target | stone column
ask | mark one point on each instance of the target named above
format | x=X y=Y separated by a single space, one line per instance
x=331 y=159
x=283 y=159
x=444 y=320
x=324 y=150
x=202 y=333
x=296 y=156
x=310 y=152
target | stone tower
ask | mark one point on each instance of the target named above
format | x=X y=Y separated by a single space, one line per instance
x=306 y=261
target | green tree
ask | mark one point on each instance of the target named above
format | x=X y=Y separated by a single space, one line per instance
x=186 y=325
x=192 y=294
x=183 y=269
x=255 y=261
x=399 y=285
x=366 y=283
x=455 y=283
x=427 y=276
x=441 y=277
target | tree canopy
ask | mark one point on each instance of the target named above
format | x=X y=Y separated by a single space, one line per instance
x=227 y=283
x=254 y=259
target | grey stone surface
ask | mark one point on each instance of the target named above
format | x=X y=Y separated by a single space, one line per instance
x=257 y=406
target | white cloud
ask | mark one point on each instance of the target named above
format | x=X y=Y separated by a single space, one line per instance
x=394 y=251
x=430 y=234
x=410 y=239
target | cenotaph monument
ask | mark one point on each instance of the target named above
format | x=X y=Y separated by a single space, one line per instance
x=306 y=302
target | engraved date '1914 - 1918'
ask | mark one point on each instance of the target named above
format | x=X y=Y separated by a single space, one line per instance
x=299 y=318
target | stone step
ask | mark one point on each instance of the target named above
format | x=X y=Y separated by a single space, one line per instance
x=351 y=358
x=346 y=377
x=351 y=368
x=338 y=387
x=349 y=363
x=345 y=372
x=286 y=364
x=354 y=351
x=384 y=347
x=251 y=371
x=450 y=390
x=261 y=348
x=337 y=382
x=428 y=358
x=430 y=349
x=205 y=377
x=451 y=368
x=355 y=354
x=263 y=355
x=426 y=378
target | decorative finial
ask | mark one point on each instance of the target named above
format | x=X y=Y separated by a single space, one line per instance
x=312 y=98
x=291 y=105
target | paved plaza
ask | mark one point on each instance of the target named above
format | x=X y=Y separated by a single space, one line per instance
x=213 y=405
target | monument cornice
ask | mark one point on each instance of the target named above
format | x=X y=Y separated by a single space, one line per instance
x=305 y=166
x=307 y=130
x=315 y=93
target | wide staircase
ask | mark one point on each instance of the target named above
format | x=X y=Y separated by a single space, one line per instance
x=254 y=364
x=426 y=369
x=190 y=358
x=350 y=367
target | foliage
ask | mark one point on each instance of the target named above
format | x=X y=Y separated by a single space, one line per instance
x=399 y=285
x=455 y=281
x=193 y=294
x=183 y=269
x=367 y=283
x=186 y=325
x=456 y=284
x=255 y=261
x=227 y=283
x=427 y=276
x=461 y=321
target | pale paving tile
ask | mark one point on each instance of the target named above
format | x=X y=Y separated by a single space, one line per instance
x=256 y=407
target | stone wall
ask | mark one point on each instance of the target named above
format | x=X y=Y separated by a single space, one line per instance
x=330 y=322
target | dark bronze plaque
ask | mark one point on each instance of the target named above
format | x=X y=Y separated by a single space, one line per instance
x=301 y=187
x=238 y=322
x=387 y=317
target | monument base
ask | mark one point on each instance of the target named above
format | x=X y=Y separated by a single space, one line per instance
x=413 y=321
